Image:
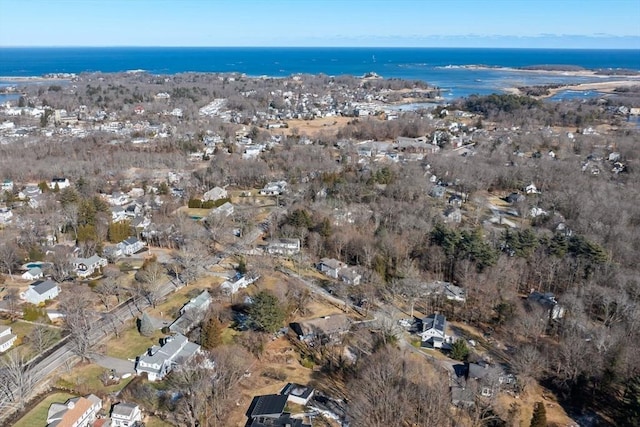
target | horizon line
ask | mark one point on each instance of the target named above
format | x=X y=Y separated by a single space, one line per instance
x=304 y=47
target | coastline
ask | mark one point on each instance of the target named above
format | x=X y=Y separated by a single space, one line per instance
x=603 y=87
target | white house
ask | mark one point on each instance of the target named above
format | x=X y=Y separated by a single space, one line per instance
x=125 y=415
x=131 y=246
x=7 y=185
x=41 y=291
x=5 y=215
x=75 y=412
x=6 y=338
x=226 y=209
x=274 y=188
x=191 y=313
x=33 y=274
x=283 y=247
x=85 y=267
x=433 y=331
x=330 y=267
x=60 y=182
x=158 y=361
x=240 y=282
x=216 y=193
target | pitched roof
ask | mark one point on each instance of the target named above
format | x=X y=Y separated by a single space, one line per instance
x=123 y=409
x=267 y=405
x=435 y=321
x=43 y=286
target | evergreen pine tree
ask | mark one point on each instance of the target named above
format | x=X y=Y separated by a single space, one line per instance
x=539 y=417
x=146 y=325
x=211 y=334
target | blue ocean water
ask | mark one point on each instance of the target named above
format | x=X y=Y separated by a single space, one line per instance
x=443 y=67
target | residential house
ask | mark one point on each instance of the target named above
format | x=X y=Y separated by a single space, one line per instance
x=29 y=192
x=548 y=302
x=434 y=331
x=75 y=412
x=298 y=394
x=117 y=198
x=531 y=189
x=216 y=193
x=7 y=338
x=238 y=282
x=130 y=246
x=326 y=328
x=5 y=215
x=60 y=183
x=158 y=361
x=125 y=415
x=350 y=276
x=191 y=313
x=283 y=247
x=7 y=185
x=33 y=274
x=268 y=410
x=118 y=214
x=452 y=215
x=330 y=267
x=85 y=267
x=226 y=209
x=41 y=291
x=478 y=380
x=446 y=289
x=438 y=191
x=274 y=188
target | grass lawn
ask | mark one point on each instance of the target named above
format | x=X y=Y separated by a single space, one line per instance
x=86 y=379
x=38 y=415
x=22 y=330
x=130 y=343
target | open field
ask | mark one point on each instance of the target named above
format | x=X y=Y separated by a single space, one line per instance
x=313 y=127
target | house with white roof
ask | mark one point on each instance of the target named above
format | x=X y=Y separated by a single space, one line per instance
x=239 y=282
x=5 y=215
x=125 y=414
x=85 y=267
x=158 y=361
x=7 y=338
x=41 y=291
x=274 y=188
x=75 y=412
x=283 y=247
x=216 y=193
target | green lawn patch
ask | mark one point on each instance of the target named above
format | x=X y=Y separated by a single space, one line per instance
x=85 y=379
x=38 y=415
x=130 y=343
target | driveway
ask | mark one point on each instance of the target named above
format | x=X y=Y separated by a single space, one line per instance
x=121 y=366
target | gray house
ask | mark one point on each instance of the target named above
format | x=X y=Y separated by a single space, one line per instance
x=158 y=361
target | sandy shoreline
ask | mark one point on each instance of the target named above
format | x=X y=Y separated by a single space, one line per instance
x=565 y=73
x=604 y=87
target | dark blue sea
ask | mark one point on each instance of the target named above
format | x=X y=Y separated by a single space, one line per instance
x=446 y=68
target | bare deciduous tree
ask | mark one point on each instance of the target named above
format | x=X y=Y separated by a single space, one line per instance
x=16 y=379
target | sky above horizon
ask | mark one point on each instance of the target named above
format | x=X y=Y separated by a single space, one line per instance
x=393 y=23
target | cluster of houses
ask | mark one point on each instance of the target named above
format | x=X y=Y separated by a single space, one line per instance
x=87 y=411
x=339 y=270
